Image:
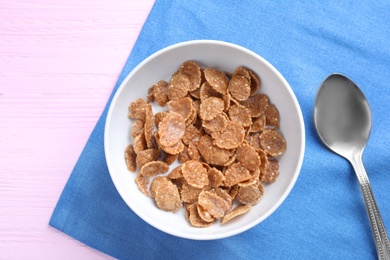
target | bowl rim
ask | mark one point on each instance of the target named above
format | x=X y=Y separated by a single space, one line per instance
x=300 y=122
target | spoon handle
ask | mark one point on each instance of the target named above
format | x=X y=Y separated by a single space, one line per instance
x=377 y=226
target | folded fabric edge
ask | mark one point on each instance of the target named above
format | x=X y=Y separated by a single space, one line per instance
x=61 y=217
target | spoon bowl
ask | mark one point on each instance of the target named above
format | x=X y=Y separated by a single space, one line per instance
x=342 y=115
x=342 y=119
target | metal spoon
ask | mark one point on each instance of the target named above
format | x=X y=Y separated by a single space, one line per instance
x=342 y=119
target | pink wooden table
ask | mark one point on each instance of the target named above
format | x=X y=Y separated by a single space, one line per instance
x=59 y=61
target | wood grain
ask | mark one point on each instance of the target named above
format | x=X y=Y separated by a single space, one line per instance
x=59 y=61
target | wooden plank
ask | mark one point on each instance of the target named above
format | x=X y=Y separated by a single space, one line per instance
x=59 y=61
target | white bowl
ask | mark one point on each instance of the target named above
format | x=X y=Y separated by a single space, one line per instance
x=226 y=57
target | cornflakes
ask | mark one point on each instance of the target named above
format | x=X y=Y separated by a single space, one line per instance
x=130 y=157
x=140 y=143
x=155 y=183
x=231 y=160
x=224 y=195
x=175 y=173
x=182 y=106
x=235 y=174
x=272 y=171
x=217 y=80
x=211 y=107
x=169 y=158
x=211 y=153
x=193 y=151
x=252 y=180
x=154 y=168
x=255 y=83
x=213 y=204
x=272 y=142
x=142 y=184
x=272 y=116
x=174 y=149
x=231 y=137
x=239 y=87
x=240 y=114
x=248 y=157
x=178 y=86
x=137 y=127
x=160 y=91
x=258 y=123
x=207 y=91
x=192 y=70
x=216 y=124
x=223 y=133
x=233 y=191
x=193 y=115
x=204 y=214
x=195 y=174
x=171 y=129
x=167 y=196
x=249 y=195
x=159 y=116
x=216 y=177
x=256 y=104
x=241 y=71
x=264 y=163
x=137 y=109
x=189 y=194
x=239 y=210
x=146 y=156
x=150 y=97
x=254 y=140
x=149 y=125
x=183 y=156
x=190 y=134
x=194 y=218
x=195 y=94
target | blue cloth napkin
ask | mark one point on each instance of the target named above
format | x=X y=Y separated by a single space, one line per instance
x=324 y=216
